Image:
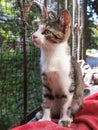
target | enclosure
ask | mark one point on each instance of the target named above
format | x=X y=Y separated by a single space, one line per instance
x=20 y=82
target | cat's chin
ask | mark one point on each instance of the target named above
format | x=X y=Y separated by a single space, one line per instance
x=39 y=45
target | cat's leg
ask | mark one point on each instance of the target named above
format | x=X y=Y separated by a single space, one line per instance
x=77 y=104
x=48 y=99
x=65 y=115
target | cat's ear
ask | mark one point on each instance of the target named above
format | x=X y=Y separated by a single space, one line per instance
x=64 y=20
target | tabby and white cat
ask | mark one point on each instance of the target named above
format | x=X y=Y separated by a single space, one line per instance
x=61 y=75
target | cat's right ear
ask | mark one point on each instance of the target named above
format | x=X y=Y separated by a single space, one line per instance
x=64 y=20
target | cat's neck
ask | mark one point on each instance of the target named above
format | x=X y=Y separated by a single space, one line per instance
x=58 y=48
x=55 y=55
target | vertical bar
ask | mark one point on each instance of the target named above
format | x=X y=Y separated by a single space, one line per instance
x=45 y=3
x=25 y=71
x=82 y=19
x=66 y=4
x=73 y=33
x=84 y=40
x=78 y=53
x=25 y=59
x=58 y=7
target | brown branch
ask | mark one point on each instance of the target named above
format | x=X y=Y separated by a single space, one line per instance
x=20 y=4
x=34 y=3
x=21 y=8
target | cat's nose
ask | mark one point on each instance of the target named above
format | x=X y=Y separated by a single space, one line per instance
x=34 y=37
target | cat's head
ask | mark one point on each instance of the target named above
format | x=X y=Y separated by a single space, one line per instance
x=53 y=31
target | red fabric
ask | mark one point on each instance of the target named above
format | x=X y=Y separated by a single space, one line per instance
x=86 y=119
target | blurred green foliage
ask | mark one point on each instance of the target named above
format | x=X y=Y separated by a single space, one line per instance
x=11 y=65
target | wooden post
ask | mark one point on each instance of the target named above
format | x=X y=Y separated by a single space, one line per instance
x=84 y=40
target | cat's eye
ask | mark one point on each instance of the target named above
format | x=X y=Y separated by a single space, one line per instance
x=46 y=32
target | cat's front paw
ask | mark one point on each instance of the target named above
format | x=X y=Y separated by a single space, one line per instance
x=65 y=122
x=39 y=115
x=45 y=119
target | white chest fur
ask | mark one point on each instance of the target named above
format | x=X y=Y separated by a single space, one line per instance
x=59 y=61
x=55 y=59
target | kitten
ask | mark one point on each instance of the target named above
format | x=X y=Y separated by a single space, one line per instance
x=61 y=76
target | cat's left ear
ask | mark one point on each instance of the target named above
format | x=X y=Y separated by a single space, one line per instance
x=64 y=20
